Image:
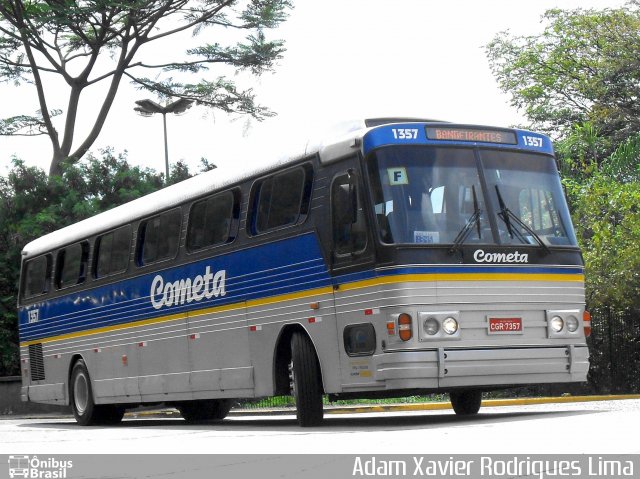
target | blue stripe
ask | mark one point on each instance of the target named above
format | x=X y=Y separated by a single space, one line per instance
x=254 y=273
x=250 y=274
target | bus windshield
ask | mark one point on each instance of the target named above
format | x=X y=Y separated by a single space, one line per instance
x=434 y=195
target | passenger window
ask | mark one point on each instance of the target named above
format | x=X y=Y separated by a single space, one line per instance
x=282 y=199
x=210 y=221
x=349 y=226
x=71 y=266
x=112 y=252
x=37 y=276
x=160 y=237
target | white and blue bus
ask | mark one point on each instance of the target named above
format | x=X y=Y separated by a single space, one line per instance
x=405 y=257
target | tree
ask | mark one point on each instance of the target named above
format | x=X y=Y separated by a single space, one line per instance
x=32 y=204
x=88 y=42
x=583 y=69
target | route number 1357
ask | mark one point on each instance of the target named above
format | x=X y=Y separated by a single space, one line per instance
x=405 y=133
x=532 y=141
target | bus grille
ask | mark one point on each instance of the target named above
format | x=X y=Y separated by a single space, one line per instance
x=36 y=362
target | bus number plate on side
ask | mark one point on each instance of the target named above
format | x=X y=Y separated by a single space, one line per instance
x=505 y=325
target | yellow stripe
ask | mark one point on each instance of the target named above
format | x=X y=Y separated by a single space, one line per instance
x=405 y=278
x=319 y=291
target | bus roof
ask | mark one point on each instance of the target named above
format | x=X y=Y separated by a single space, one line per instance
x=342 y=141
x=176 y=194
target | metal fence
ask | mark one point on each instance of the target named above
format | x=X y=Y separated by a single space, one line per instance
x=614 y=346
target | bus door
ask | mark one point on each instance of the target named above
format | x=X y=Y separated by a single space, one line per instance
x=352 y=257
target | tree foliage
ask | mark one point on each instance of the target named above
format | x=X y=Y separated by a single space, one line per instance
x=579 y=81
x=583 y=69
x=32 y=204
x=607 y=218
x=88 y=42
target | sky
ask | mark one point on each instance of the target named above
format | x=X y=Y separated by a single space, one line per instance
x=345 y=60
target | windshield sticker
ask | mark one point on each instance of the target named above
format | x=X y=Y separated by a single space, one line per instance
x=426 y=237
x=398 y=176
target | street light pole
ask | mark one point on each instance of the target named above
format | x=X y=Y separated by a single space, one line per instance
x=149 y=107
x=166 y=145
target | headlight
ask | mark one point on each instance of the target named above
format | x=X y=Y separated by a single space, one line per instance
x=450 y=325
x=431 y=326
x=572 y=324
x=557 y=324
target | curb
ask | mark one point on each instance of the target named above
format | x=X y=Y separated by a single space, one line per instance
x=434 y=406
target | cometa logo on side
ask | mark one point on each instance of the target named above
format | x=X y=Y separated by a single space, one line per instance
x=203 y=286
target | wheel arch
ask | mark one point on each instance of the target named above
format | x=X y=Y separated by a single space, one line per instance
x=282 y=358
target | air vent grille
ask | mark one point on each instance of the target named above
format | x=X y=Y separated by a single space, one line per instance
x=36 y=361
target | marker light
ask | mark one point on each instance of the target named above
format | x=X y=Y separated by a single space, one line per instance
x=431 y=326
x=450 y=325
x=586 y=320
x=391 y=328
x=557 y=324
x=405 y=330
x=572 y=324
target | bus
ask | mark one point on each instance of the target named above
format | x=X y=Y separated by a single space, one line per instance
x=402 y=257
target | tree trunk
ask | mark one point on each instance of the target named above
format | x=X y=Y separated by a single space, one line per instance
x=57 y=161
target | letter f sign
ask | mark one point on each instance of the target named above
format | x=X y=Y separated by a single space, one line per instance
x=397 y=176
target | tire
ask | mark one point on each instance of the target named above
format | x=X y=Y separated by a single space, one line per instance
x=205 y=410
x=306 y=381
x=466 y=403
x=85 y=410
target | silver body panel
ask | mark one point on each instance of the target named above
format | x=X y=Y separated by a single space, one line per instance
x=231 y=353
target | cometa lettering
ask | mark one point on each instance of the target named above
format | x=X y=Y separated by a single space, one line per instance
x=187 y=290
x=481 y=257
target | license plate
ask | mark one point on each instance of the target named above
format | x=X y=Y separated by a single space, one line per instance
x=505 y=325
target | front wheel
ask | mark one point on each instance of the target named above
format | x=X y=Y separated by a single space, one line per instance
x=466 y=403
x=84 y=408
x=205 y=410
x=306 y=380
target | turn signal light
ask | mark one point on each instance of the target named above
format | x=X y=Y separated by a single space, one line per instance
x=405 y=328
x=586 y=319
x=391 y=328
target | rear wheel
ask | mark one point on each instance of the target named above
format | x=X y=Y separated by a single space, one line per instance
x=84 y=408
x=306 y=380
x=205 y=410
x=466 y=403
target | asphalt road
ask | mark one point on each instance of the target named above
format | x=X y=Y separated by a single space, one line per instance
x=587 y=428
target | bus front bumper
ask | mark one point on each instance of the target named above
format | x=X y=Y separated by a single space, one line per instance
x=476 y=367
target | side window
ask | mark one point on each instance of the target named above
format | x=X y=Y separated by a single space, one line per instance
x=160 y=237
x=71 y=265
x=347 y=216
x=280 y=200
x=112 y=252
x=37 y=276
x=210 y=221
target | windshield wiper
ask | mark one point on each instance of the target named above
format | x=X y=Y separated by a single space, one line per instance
x=507 y=215
x=474 y=219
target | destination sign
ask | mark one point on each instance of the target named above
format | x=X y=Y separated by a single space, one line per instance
x=455 y=133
